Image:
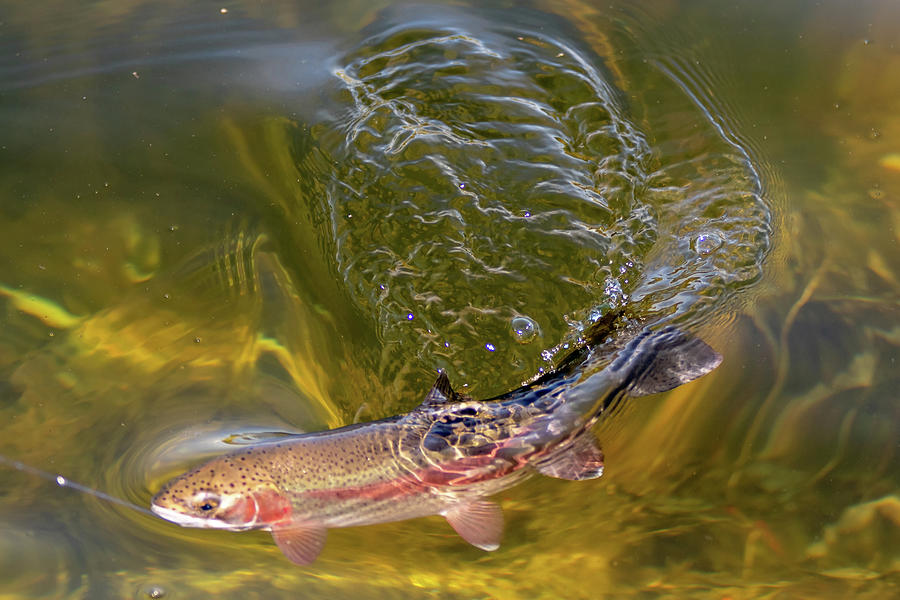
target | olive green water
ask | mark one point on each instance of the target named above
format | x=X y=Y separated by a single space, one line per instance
x=285 y=217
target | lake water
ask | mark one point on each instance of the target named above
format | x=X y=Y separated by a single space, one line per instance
x=220 y=221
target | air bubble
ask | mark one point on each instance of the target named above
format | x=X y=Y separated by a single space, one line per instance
x=154 y=592
x=614 y=294
x=707 y=243
x=524 y=329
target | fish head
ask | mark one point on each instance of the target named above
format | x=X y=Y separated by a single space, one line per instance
x=222 y=494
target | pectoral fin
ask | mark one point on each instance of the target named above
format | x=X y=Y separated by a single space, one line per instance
x=301 y=544
x=480 y=523
x=581 y=460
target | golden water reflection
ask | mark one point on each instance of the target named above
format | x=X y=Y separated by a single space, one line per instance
x=137 y=337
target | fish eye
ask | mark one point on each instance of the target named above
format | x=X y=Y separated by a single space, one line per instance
x=206 y=501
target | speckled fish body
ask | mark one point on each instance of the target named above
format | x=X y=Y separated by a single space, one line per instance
x=443 y=458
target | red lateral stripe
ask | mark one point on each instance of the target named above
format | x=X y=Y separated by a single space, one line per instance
x=465 y=471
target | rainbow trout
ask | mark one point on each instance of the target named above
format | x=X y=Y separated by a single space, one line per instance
x=443 y=458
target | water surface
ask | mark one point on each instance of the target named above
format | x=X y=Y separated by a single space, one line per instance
x=220 y=222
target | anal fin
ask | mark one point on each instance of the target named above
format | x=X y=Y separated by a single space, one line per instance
x=300 y=543
x=582 y=459
x=480 y=523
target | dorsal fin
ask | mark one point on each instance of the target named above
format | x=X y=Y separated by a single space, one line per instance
x=441 y=392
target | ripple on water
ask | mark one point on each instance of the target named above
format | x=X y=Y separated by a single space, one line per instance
x=471 y=165
x=474 y=163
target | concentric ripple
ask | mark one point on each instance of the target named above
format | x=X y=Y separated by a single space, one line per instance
x=471 y=165
x=469 y=168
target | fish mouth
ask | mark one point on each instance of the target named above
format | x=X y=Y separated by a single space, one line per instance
x=179 y=518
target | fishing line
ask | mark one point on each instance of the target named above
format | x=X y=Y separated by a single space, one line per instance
x=63 y=482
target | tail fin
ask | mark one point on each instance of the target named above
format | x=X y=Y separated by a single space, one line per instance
x=663 y=360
